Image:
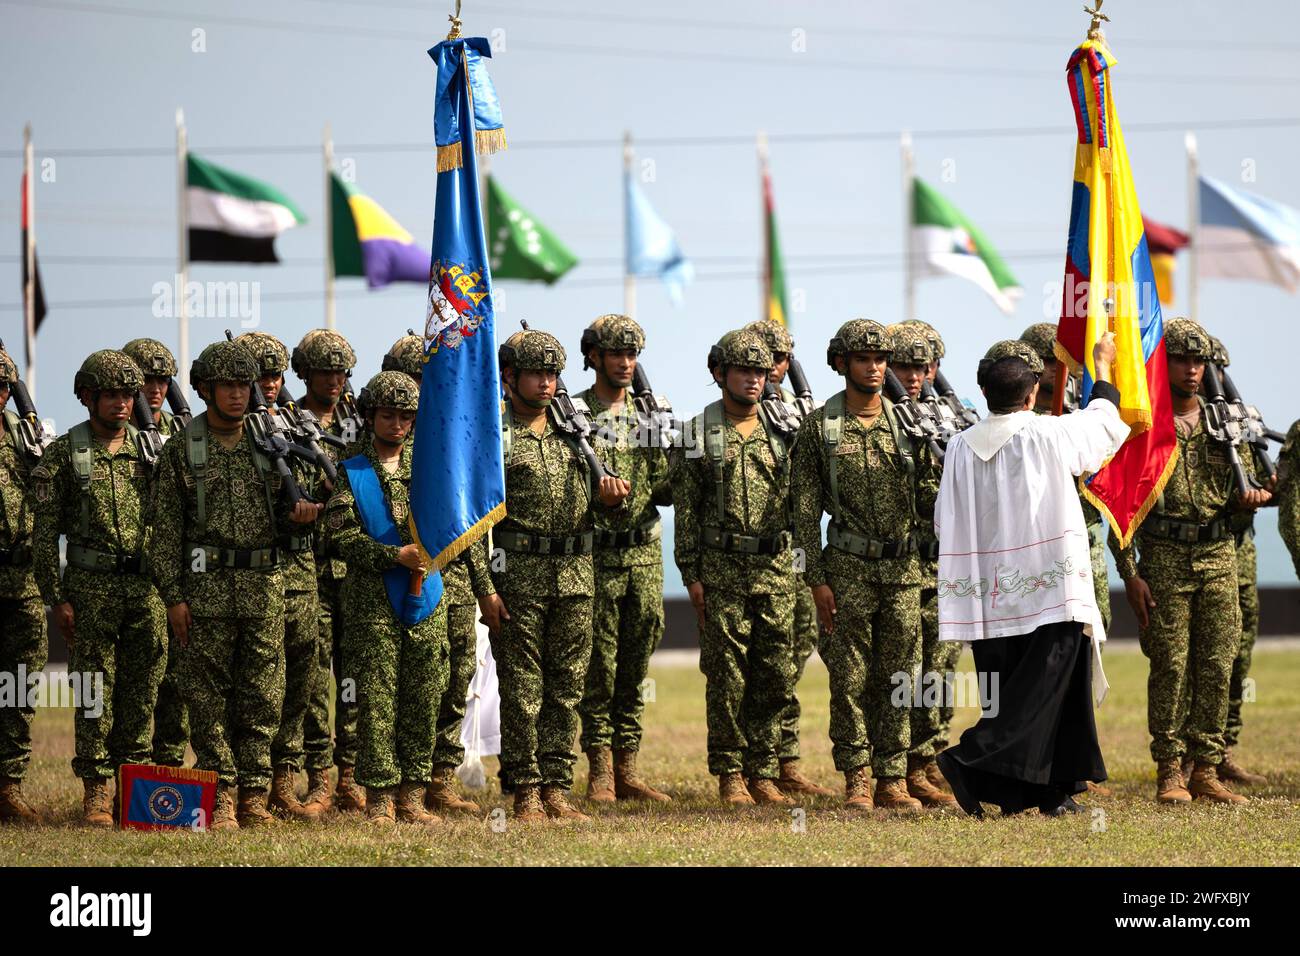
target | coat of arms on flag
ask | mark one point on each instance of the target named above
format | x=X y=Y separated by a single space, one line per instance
x=165 y=798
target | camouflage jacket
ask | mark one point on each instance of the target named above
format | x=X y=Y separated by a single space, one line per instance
x=620 y=448
x=878 y=497
x=118 y=515
x=237 y=518
x=17 y=518
x=169 y=424
x=756 y=501
x=467 y=576
x=1288 y=494
x=329 y=563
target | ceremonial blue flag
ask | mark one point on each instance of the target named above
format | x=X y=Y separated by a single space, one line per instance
x=651 y=245
x=458 y=488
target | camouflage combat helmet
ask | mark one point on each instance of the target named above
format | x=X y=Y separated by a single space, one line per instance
x=1041 y=337
x=267 y=351
x=108 y=368
x=1009 y=348
x=534 y=350
x=777 y=336
x=931 y=334
x=406 y=355
x=152 y=356
x=611 y=333
x=910 y=345
x=1186 y=337
x=322 y=350
x=224 y=362
x=1220 y=355
x=8 y=370
x=858 y=335
x=390 y=389
x=743 y=349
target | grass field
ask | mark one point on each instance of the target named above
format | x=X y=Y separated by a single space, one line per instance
x=1127 y=828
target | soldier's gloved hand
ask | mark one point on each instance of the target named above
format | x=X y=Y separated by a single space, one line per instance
x=494 y=611
x=824 y=598
x=178 y=616
x=409 y=557
x=612 y=491
x=696 y=593
x=63 y=617
x=305 y=512
x=1140 y=600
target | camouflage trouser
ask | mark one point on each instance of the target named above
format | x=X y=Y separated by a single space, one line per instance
x=316 y=727
x=804 y=643
x=233 y=676
x=748 y=666
x=122 y=635
x=541 y=655
x=1248 y=599
x=401 y=675
x=931 y=715
x=877 y=636
x=171 y=722
x=462 y=640
x=23 y=644
x=1194 y=633
x=1100 y=576
x=301 y=674
x=627 y=626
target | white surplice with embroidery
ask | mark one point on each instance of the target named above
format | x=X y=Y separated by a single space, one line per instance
x=1013 y=545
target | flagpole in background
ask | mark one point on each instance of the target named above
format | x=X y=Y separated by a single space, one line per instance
x=1193 y=226
x=327 y=154
x=909 y=270
x=29 y=257
x=629 y=280
x=182 y=253
x=765 y=277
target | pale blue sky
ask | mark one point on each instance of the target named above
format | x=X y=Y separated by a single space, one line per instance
x=109 y=76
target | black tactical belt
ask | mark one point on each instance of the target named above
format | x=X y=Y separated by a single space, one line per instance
x=1188 y=532
x=256 y=559
x=525 y=543
x=91 y=559
x=297 y=542
x=841 y=539
x=15 y=557
x=650 y=531
x=721 y=540
x=928 y=550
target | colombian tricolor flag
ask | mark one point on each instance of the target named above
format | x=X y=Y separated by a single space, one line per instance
x=1109 y=285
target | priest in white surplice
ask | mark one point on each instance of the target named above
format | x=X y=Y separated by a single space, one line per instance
x=1015 y=579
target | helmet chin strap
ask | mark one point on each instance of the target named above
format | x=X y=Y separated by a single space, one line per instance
x=860 y=389
x=740 y=399
x=534 y=403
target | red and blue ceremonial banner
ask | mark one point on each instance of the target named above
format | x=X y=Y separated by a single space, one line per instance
x=457 y=478
x=165 y=798
x=1109 y=284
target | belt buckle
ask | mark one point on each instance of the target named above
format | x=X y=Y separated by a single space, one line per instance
x=875 y=549
x=568 y=544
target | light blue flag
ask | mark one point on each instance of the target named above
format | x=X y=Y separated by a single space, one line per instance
x=652 y=248
x=1243 y=236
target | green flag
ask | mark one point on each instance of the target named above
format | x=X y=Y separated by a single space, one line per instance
x=521 y=247
x=945 y=242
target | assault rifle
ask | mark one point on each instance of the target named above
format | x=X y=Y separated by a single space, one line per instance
x=654 y=411
x=572 y=416
x=1224 y=426
x=1255 y=432
x=177 y=403
x=309 y=432
x=914 y=418
x=150 y=438
x=31 y=432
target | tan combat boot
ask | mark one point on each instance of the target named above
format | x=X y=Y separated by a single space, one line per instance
x=252 y=811
x=891 y=794
x=935 y=775
x=441 y=795
x=379 y=806
x=410 y=805
x=14 y=807
x=1170 y=787
x=223 y=811
x=319 y=798
x=1205 y=785
x=792 y=781
x=600 y=775
x=732 y=790
x=1232 y=772
x=96 y=805
x=919 y=786
x=348 y=796
x=528 y=804
x=857 y=789
x=628 y=785
x=1100 y=789
x=556 y=803
x=765 y=791
x=283 y=798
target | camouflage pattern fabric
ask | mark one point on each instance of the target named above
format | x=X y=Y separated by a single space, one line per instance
x=1288 y=494
x=930 y=723
x=803 y=643
x=171 y=719
x=1248 y=601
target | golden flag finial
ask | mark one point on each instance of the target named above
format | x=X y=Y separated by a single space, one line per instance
x=1094 y=28
x=455 y=22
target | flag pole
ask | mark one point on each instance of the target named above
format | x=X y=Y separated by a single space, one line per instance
x=1193 y=226
x=29 y=257
x=629 y=280
x=327 y=155
x=182 y=252
x=765 y=280
x=909 y=273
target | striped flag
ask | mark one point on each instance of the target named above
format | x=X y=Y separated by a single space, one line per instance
x=233 y=217
x=945 y=242
x=1247 y=237
x=1109 y=285
x=368 y=242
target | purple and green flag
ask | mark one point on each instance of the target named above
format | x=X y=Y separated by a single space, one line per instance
x=368 y=242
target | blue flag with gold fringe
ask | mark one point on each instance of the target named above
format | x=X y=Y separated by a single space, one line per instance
x=457 y=479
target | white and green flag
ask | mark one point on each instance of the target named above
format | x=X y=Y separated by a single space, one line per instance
x=945 y=242
x=233 y=217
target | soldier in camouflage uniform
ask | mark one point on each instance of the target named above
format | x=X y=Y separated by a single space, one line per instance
x=22 y=614
x=629 y=607
x=1288 y=494
x=539 y=612
x=1184 y=588
x=214 y=553
x=324 y=360
x=406 y=355
x=171 y=726
x=93 y=486
x=401 y=668
x=854 y=462
x=911 y=360
x=792 y=779
x=731 y=505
